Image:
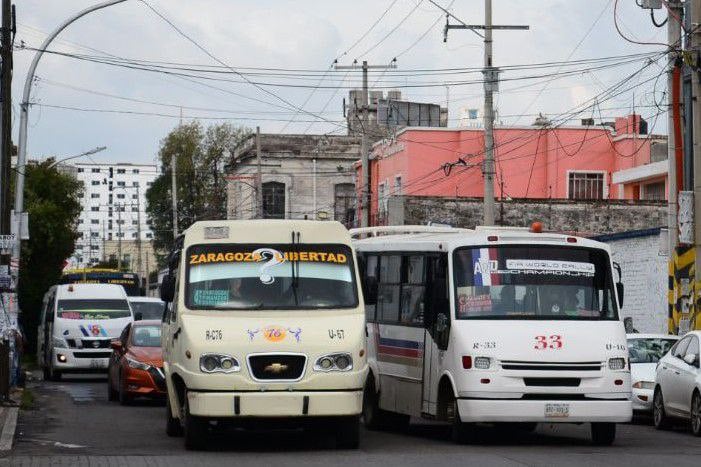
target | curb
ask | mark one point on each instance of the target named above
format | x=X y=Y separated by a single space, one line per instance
x=7 y=435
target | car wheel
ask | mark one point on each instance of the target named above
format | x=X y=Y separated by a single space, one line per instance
x=461 y=432
x=603 y=434
x=348 y=433
x=124 y=397
x=659 y=416
x=173 y=426
x=194 y=429
x=696 y=414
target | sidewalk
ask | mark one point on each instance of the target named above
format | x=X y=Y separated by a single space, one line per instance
x=8 y=422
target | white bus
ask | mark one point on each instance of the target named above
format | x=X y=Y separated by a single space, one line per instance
x=492 y=325
x=265 y=323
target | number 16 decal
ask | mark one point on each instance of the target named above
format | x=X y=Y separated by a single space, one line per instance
x=548 y=342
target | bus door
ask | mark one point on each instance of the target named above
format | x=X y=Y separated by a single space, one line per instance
x=437 y=328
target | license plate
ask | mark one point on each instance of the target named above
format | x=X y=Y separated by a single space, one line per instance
x=557 y=410
x=97 y=363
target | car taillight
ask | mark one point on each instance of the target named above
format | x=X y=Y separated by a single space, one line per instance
x=466 y=362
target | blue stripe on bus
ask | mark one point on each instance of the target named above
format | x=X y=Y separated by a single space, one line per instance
x=400 y=343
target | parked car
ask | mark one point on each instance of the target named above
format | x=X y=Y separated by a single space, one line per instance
x=147 y=308
x=678 y=384
x=644 y=351
x=136 y=366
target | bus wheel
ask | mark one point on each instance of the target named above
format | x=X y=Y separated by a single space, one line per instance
x=603 y=434
x=173 y=426
x=461 y=432
x=194 y=429
x=373 y=415
x=348 y=433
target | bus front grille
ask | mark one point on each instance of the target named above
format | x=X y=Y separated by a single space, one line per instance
x=277 y=367
x=551 y=366
x=550 y=382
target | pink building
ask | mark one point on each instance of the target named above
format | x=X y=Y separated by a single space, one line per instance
x=617 y=161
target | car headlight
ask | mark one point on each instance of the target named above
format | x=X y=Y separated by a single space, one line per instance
x=617 y=363
x=482 y=363
x=60 y=343
x=334 y=362
x=644 y=385
x=137 y=364
x=218 y=363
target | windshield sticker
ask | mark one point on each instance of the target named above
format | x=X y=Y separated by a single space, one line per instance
x=256 y=256
x=274 y=258
x=549 y=265
x=93 y=330
x=485 y=266
x=211 y=297
x=468 y=304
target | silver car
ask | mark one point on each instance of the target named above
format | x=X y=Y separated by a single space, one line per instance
x=644 y=351
x=678 y=384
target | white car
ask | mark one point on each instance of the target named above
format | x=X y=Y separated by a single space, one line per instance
x=644 y=351
x=678 y=388
x=147 y=308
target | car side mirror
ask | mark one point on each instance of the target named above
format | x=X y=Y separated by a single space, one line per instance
x=138 y=316
x=620 y=289
x=116 y=345
x=168 y=288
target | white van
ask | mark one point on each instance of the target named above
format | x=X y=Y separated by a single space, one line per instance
x=492 y=325
x=78 y=321
x=265 y=321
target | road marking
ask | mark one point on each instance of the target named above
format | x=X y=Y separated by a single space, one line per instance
x=8 y=429
x=56 y=444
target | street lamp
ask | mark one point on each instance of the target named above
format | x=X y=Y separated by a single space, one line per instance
x=24 y=115
x=87 y=153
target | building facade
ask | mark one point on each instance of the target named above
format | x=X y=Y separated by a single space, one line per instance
x=617 y=160
x=114 y=210
x=303 y=177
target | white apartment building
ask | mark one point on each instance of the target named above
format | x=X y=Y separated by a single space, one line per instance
x=114 y=209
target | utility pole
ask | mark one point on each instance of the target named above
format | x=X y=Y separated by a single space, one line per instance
x=119 y=237
x=673 y=80
x=696 y=119
x=6 y=121
x=138 y=232
x=174 y=193
x=491 y=85
x=366 y=194
x=259 y=178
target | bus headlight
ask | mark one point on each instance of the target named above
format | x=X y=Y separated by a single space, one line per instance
x=334 y=362
x=60 y=343
x=618 y=363
x=218 y=363
x=482 y=363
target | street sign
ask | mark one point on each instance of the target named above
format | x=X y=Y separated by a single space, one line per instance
x=7 y=243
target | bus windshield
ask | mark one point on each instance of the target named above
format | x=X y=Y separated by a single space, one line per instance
x=287 y=276
x=533 y=282
x=93 y=309
x=128 y=280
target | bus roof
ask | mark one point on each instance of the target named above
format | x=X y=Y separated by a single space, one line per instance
x=265 y=231
x=90 y=291
x=426 y=238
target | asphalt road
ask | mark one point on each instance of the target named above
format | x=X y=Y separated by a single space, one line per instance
x=73 y=424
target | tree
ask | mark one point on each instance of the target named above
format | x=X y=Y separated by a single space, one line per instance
x=200 y=157
x=51 y=199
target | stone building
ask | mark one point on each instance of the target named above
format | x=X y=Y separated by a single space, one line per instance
x=303 y=176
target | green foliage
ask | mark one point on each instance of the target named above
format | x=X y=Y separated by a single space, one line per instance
x=200 y=158
x=51 y=199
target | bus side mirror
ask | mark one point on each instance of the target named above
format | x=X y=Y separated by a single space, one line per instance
x=168 y=288
x=620 y=290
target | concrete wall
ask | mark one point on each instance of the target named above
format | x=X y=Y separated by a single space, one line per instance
x=586 y=218
x=643 y=261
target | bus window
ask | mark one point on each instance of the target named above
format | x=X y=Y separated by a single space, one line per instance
x=413 y=289
x=370 y=282
x=389 y=289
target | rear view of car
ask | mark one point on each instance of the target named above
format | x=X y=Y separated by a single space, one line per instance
x=645 y=350
x=146 y=308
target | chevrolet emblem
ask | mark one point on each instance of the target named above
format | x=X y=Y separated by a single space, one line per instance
x=275 y=368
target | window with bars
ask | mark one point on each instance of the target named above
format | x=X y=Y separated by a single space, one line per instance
x=654 y=192
x=344 y=201
x=273 y=200
x=586 y=185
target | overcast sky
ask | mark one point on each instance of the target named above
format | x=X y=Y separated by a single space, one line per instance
x=308 y=34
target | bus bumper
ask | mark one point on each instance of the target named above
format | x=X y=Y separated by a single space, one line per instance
x=495 y=410
x=275 y=404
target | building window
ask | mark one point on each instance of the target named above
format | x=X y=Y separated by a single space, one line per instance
x=95 y=208
x=94 y=234
x=149 y=235
x=135 y=184
x=586 y=185
x=95 y=221
x=120 y=196
x=134 y=196
x=134 y=222
x=121 y=184
x=344 y=201
x=133 y=235
x=654 y=191
x=80 y=221
x=120 y=222
x=120 y=235
x=95 y=171
x=134 y=209
x=95 y=182
x=121 y=171
x=135 y=171
x=94 y=195
x=149 y=183
x=273 y=200
x=94 y=248
x=81 y=170
x=81 y=195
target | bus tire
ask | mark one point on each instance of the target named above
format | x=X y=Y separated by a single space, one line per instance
x=194 y=430
x=603 y=434
x=461 y=432
x=348 y=432
x=173 y=427
x=374 y=418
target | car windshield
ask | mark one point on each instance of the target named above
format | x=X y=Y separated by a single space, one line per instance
x=148 y=310
x=533 y=282
x=93 y=309
x=146 y=336
x=287 y=276
x=648 y=350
